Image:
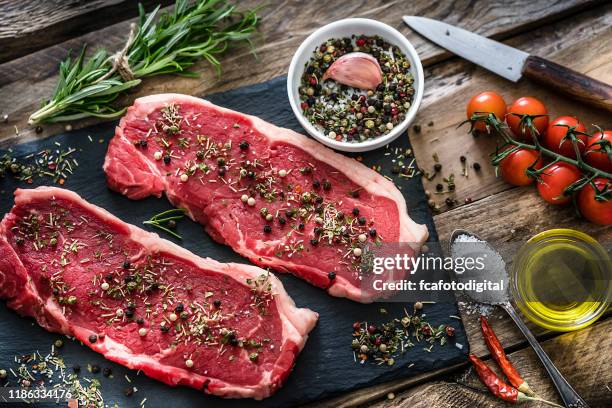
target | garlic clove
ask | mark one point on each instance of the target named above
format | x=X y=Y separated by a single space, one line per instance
x=356 y=69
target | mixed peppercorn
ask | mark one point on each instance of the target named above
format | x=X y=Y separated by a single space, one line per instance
x=385 y=342
x=345 y=113
x=56 y=165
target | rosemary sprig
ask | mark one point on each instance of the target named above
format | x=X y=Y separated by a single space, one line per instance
x=163 y=220
x=169 y=44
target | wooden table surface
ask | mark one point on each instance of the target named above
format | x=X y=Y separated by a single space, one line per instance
x=35 y=36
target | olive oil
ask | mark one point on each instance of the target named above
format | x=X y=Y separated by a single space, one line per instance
x=561 y=280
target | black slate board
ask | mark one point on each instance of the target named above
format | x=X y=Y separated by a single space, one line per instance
x=325 y=367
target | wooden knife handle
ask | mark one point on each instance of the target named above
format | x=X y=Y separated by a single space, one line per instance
x=575 y=84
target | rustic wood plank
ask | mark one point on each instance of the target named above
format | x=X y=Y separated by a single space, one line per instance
x=584 y=45
x=580 y=356
x=28 y=26
x=519 y=214
x=30 y=79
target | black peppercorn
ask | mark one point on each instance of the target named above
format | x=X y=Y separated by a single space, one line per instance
x=331 y=275
x=39 y=129
x=372 y=232
x=164 y=328
x=95 y=368
x=167 y=159
x=450 y=202
x=244 y=145
x=437 y=167
x=282 y=220
x=355 y=193
x=107 y=372
x=140 y=320
x=355 y=211
x=93 y=338
x=267 y=229
x=301 y=226
x=362 y=220
x=221 y=161
x=179 y=308
x=129 y=313
x=462 y=159
x=477 y=166
x=217 y=303
x=326 y=185
x=126 y=265
x=316 y=184
x=314 y=242
x=439 y=187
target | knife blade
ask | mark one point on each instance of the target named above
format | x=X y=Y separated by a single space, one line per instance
x=512 y=63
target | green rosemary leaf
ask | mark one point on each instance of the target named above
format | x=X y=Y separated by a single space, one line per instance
x=168 y=42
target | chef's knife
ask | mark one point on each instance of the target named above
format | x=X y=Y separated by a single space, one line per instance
x=511 y=63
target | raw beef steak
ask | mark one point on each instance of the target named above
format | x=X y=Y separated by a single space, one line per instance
x=141 y=301
x=275 y=196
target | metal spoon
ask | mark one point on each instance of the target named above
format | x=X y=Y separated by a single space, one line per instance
x=570 y=397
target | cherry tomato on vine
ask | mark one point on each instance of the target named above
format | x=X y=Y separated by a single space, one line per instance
x=594 y=154
x=597 y=211
x=513 y=168
x=555 y=179
x=527 y=105
x=556 y=132
x=490 y=102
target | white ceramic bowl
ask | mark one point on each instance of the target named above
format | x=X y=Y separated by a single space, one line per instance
x=346 y=28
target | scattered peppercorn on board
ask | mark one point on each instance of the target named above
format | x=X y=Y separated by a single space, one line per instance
x=327 y=365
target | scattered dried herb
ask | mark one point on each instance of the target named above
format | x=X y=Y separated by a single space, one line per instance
x=384 y=343
x=54 y=164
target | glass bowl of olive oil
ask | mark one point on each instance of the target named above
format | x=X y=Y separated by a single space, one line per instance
x=561 y=280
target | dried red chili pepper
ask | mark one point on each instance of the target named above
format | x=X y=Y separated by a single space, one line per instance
x=499 y=355
x=495 y=384
x=499 y=388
